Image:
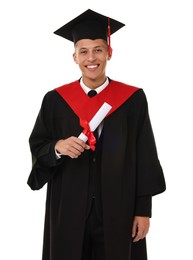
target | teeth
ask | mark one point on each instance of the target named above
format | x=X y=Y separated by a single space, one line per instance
x=92 y=66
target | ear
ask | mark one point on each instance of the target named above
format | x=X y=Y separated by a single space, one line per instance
x=75 y=58
x=110 y=52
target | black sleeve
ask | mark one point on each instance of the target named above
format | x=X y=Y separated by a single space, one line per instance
x=44 y=161
x=150 y=176
x=143 y=206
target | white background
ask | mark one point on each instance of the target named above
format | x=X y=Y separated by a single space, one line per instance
x=153 y=51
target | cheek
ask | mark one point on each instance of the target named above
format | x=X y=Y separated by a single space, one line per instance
x=79 y=59
x=104 y=62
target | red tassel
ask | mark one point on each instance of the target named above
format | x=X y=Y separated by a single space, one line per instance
x=109 y=38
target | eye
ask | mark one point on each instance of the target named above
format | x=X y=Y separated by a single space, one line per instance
x=98 y=50
x=83 y=52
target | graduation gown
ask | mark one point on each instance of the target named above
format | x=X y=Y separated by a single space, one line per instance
x=130 y=169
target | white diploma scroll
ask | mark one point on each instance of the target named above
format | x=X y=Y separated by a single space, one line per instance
x=97 y=119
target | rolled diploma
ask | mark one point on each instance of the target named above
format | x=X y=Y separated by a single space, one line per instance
x=97 y=119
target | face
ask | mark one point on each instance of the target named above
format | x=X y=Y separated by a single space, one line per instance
x=92 y=56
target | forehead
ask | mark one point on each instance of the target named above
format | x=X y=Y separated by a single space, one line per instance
x=87 y=43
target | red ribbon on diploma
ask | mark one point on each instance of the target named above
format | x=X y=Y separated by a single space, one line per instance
x=88 y=133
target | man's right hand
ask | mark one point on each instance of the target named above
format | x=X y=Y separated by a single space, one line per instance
x=72 y=147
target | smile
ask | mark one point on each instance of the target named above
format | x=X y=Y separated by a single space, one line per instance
x=92 y=66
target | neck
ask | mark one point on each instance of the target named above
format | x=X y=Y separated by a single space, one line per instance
x=93 y=84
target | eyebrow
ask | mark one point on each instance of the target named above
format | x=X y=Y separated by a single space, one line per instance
x=95 y=47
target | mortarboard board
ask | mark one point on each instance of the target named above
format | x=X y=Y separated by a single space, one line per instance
x=89 y=25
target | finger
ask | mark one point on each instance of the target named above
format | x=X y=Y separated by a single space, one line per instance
x=136 y=239
x=73 y=151
x=134 y=229
x=141 y=234
x=80 y=142
x=87 y=147
x=76 y=144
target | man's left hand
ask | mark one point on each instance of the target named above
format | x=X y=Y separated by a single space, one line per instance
x=140 y=227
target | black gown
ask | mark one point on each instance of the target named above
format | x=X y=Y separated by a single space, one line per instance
x=130 y=172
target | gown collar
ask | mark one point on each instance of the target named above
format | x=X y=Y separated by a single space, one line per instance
x=115 y=94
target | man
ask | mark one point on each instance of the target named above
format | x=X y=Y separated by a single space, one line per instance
x=98 y=193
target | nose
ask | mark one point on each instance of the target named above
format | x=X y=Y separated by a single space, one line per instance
x=91 y=56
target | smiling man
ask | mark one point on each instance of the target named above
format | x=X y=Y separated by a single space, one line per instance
x=92 y=56
x=98 y=198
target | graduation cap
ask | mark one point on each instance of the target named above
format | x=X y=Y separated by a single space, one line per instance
x=90 y=25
